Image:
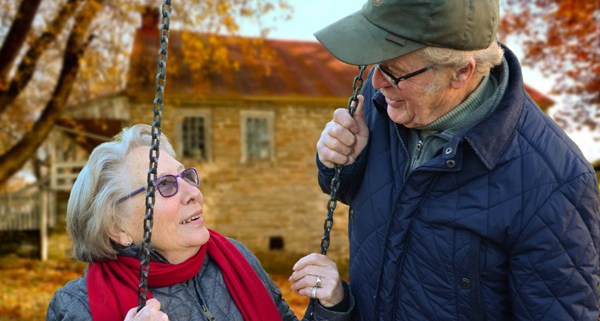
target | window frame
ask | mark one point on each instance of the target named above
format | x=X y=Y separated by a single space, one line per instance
x=197 y=113
x=265 y=114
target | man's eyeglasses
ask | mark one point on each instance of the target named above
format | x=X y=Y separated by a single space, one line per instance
x=167 y=184
x=393 y=80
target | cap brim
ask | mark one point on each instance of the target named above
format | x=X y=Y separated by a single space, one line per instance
x=356 y=41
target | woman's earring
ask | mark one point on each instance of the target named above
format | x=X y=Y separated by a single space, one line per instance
x=129 y=243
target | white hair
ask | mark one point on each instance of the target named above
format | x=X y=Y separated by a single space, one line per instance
x=92 y=211
x=485 y=59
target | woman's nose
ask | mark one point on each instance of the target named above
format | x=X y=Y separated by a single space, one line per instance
x=191 y=193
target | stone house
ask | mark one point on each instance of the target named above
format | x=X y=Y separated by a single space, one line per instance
x=250 y=131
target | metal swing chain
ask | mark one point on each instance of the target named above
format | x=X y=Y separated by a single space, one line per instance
x=160 y=80
x=335 y=182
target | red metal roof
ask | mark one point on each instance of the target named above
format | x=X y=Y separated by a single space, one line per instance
x=542 y=100
x=293 y=69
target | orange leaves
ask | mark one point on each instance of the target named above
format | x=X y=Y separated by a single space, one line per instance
x=222 y=7
x=26 y=286
x=246 y=12
x=561 y=37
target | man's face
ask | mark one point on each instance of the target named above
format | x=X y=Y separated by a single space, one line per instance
x=419 y=100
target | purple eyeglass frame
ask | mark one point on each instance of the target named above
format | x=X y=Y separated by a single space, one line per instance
x=180 y=175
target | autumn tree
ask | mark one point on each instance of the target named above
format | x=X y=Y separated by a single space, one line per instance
x=562 y=38
x=57 y=53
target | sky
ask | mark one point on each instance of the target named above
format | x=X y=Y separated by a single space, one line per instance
x=310 y=16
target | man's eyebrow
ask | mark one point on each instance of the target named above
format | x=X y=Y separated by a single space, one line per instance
x=394 y=69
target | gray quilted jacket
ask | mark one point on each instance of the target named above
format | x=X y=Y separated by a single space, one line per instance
x=180 y=301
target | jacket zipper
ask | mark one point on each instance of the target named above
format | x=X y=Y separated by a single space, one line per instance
x=419 y=149
x=207 y=314
x=405 y=153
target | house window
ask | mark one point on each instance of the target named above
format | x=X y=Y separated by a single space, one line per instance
x=194 y=138
x=193 y=131
x=257 y=135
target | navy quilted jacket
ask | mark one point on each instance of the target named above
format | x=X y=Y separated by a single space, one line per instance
x=502 y=225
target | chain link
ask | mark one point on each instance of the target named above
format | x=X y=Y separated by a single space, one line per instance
x=335 y=182
x=160 y=80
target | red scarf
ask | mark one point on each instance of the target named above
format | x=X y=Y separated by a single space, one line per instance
x=113 y=284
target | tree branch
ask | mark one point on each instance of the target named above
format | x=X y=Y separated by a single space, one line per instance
x=27 y=66
x=16 y=37
x=16 y=156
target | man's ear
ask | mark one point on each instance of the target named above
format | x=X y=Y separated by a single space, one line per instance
x=463 y=76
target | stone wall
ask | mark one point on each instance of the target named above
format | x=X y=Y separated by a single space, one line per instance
x=265 y=203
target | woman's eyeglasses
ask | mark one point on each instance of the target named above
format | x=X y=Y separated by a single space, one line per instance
x=395 y=80
x=167 y=184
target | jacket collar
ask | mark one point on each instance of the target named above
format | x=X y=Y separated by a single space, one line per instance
x=491 y=137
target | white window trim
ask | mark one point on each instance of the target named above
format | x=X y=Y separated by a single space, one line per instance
x=193 y=112
x=270 y=117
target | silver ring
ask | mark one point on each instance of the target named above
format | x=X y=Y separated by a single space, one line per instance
x=318 y=281
x=313 y=295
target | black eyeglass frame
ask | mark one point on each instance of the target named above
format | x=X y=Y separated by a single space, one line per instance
x=181 y=175
x=395 y=80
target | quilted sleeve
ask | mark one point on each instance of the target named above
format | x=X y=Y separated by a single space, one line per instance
x=69 y=303
x=350 y=178
x=554 y=259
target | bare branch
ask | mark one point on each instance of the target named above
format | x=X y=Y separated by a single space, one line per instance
x=28 y=64
x=13 y=159
x=16 y=37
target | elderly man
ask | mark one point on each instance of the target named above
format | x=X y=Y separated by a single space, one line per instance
x=466 y=201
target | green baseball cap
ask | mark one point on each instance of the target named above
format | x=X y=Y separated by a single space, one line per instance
x=387 y=29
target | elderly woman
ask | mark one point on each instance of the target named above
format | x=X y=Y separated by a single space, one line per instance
x=195 y=273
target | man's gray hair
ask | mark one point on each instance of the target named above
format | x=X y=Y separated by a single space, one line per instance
x=485 y=59
x=92 y=210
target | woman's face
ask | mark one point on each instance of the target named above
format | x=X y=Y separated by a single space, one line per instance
x=178 y=230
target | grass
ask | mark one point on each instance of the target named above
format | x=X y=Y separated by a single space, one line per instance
x=27 y=285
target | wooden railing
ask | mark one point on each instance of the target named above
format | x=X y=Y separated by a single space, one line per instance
x=63 y=175
x=31 y=208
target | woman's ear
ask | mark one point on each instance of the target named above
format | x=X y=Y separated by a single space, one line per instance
x=122 y=238
x=463 y=76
